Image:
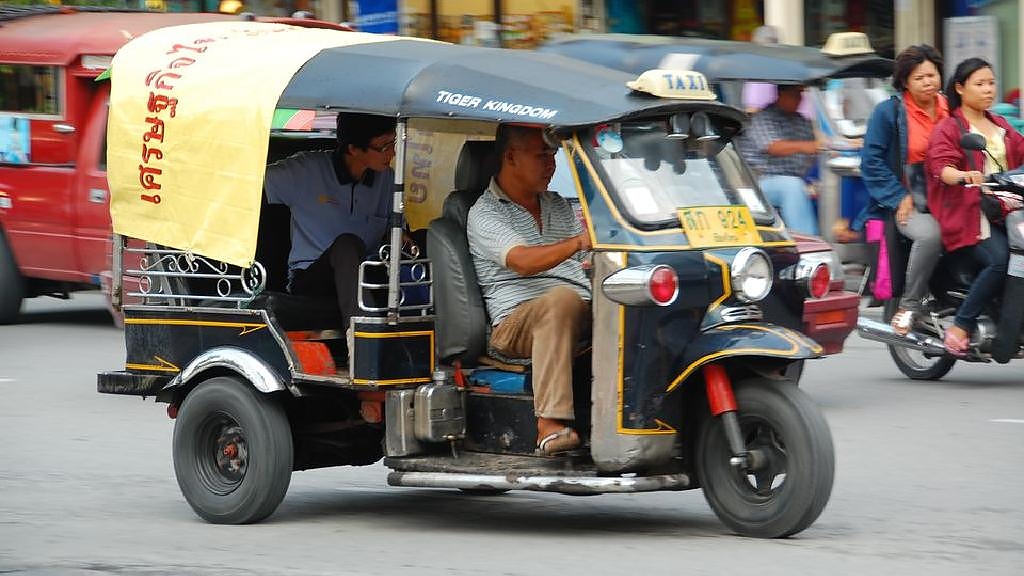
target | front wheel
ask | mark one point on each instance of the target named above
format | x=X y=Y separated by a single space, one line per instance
x=232 y=452
x=791 y=462
x=12 y=286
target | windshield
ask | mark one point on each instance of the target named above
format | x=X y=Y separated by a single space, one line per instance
x=850 y=101
x=651 y=174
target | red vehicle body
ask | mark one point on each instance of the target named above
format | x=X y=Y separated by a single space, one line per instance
x=830 y=319
x=54 y=216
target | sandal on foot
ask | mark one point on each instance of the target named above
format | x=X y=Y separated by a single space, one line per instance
x=955 y=345
x=903 y=321
x=562 y=441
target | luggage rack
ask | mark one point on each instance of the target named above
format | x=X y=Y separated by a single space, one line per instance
x=420 y=275
x=175 y=277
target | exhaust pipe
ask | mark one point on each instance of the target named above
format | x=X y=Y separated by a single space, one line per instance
x=884 y=333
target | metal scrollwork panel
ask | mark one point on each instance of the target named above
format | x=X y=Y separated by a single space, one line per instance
x=167 y=275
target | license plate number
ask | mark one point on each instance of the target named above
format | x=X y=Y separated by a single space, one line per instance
x=715 y=226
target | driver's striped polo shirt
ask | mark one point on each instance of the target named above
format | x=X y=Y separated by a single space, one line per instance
x=496 y=225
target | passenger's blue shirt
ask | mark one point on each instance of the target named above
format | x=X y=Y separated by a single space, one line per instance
x=881 y=158
x=326 y=203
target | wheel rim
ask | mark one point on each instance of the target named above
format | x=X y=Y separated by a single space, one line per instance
x=915 y=359
x=222 y=454
x=765 y=475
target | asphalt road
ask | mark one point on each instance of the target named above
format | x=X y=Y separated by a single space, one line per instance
x=929 y=481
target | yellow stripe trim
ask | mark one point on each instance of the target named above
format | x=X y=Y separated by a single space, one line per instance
x=662 y=428
x=364 y=381
x=152 y=367
x=794 y=348
x=163 y=366
x=726 y=280
x=394 y=334
x=246 y=327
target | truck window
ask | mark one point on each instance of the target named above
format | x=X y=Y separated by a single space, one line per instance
x=28 y=89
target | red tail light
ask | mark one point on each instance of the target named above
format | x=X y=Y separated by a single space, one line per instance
x=818 y=283
x=663 y=285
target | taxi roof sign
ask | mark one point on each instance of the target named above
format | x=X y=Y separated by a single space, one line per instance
x=847 y=44
x=682 y=85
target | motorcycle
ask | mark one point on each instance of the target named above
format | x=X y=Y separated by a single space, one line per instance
x=920 y=354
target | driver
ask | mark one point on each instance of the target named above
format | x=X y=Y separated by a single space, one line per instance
x=526 y=243
x=340 y=201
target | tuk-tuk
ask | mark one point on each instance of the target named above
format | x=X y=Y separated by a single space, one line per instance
x=682 y=384
x=845 y=80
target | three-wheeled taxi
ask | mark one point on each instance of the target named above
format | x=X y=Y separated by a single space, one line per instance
x=681 y=384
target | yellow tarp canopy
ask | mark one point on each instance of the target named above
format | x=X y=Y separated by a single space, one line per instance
x=189 y=126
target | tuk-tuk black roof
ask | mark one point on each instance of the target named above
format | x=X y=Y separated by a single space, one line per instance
x=419 y=79
x=719 y=60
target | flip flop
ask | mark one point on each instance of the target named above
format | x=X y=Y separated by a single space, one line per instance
x=561 y=441
x=903 y=321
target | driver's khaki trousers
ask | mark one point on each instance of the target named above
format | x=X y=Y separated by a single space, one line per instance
x=546 y=330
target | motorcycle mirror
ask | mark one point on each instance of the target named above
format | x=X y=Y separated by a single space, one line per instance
x=972 y=142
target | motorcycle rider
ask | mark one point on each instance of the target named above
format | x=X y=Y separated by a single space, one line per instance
x=957 y=208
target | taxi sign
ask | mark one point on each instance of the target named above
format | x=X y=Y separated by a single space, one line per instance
x=718 y=226
x=682 y=85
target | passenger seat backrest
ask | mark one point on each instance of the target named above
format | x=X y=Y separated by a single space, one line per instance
x=461 y=315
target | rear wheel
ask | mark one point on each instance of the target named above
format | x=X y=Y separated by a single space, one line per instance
x=12 y=287
x=232 y=452
x=791 y=462
x=914 y=364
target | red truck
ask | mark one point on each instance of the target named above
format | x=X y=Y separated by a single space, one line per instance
x=54 y=214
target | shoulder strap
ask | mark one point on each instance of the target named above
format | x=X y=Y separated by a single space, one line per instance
x=897 y=141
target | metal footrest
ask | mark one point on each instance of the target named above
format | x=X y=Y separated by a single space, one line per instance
x=576 y=485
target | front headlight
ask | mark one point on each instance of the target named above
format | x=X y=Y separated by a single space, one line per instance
x=751 y=275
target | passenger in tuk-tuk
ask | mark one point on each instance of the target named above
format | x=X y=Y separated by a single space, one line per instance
x=780 y=146
x=524 y=241
x=340 y=201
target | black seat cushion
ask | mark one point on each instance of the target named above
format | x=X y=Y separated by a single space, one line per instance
x=461 y=315
x=299 y=312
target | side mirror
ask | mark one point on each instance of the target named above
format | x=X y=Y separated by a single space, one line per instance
x=701 y=128
x=972 y=142
x=680 y=126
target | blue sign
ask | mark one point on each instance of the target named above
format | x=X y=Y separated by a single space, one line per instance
x=15 y=140
x=378 y=16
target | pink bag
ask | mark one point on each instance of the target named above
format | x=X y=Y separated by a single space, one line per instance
x=875 y=232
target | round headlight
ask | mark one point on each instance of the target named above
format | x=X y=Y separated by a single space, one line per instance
x=751 y=275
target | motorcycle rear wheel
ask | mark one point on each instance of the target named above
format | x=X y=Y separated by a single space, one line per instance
x=913 y=364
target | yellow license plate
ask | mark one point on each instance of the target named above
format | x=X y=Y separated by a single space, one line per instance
x=716 y=226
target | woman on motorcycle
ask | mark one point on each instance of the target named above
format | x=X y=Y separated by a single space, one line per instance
x=971 y=91
x=892 y=165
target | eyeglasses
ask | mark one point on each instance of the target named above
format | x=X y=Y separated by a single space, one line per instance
x=384 y=148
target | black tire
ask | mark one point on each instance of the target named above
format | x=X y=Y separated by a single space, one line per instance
x=913 y=364
x=781 y=423
x=226 y=414
x=483 y=491
x=12 y=286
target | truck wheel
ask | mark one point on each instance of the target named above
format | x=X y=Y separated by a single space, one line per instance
x=792 y=462
x=12 y=287
x=232 y=452
x=913 y=364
